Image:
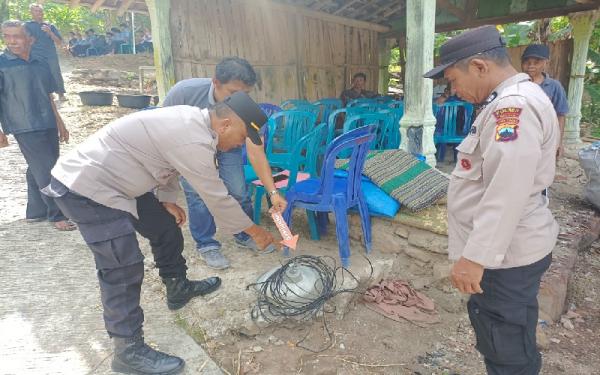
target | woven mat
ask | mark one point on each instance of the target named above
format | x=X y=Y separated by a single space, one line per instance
x=411 y=182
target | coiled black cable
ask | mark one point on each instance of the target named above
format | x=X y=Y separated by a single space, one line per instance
x=277 y=302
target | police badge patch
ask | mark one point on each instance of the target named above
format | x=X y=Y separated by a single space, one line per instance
x=507 y=123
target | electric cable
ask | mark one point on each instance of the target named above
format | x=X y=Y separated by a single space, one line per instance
x=277 y=301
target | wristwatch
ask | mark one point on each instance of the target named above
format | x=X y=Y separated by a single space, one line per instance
x=273 y=192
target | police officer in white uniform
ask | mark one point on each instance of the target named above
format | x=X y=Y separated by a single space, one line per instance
x=501 y=232
x=125 y=179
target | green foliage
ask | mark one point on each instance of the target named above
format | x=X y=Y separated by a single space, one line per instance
x=590 y=111
x=517 y=34
x=68 y=19
x=62 y=16
x=560 y=28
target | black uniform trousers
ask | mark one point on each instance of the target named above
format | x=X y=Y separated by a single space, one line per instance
x=40 y=149
x=110 y=234
x=505 y=318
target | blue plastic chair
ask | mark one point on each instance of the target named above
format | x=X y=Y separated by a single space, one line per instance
x=308 y=108
x=327 y=106
x=361 y=102
x=337 y=117
x=448 y=132
x=390 y=139
x=269 y=108
x=291 y=103
x=306 y=156
x=125 y=49
x=331 y=194
x=379 y=120
x=285 y=129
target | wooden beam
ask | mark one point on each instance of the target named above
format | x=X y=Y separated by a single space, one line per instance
x=471 y=10
x=532 y=15
x=345 y=6
x=456 y=11
x=124 y=6
x=74 y=3
x=356 y=12
x=97 y=5
x=294 y=9
x=383 y=13
x=163 y=53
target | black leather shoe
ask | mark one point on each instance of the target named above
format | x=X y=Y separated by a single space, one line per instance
x=180 y=290
x=133 y=356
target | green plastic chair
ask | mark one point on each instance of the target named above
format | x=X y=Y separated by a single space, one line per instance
x=305 y=156
x=292 y=103
x=285 y=129
x=379 y=120
x=327 y=106
x=391 y=133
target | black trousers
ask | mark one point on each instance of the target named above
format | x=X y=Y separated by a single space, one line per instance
x=40 y=150
x=110 y=234
x=505 y=318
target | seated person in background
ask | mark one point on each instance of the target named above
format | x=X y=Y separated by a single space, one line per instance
x=80 y=49
x=449 y=96
x=357 y=90
x=126 y=35
x=145 y=44
x=72 y=42
x=100 y=45
x=442 y=98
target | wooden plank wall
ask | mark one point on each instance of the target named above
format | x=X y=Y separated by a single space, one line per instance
x=296 y=56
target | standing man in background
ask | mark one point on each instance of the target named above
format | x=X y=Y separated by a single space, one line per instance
x=534 y=62
x=501 y=232
x=46 y=38
x=232 y=75
x=27 y=111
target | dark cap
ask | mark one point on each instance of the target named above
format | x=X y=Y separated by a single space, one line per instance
x=467 y=44
x=539 y=51
x=247 y=109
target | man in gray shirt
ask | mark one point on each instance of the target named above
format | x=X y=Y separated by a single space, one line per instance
x=231 y=75
x=105 y=184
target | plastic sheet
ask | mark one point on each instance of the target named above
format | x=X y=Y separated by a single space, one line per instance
x=589 y=159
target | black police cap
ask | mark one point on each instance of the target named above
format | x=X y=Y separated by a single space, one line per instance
x=467 y=44
x=539 y=51
x=247 y=109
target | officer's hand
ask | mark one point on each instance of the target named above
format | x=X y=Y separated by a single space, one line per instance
x=177 y=212
x=466 y=276
x=261 y=236
x=279 y=203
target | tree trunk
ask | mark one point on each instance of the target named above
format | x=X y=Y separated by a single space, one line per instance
x=3 y=10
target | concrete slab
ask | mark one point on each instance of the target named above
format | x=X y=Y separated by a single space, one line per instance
x=50 y=315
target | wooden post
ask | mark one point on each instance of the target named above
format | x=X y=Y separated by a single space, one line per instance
x=583 y=25
x=418 y=91
x=3 y=10
x=163 y=54
x=385 y=52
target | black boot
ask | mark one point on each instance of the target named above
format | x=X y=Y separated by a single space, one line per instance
x=133 y=356
x=180 y=290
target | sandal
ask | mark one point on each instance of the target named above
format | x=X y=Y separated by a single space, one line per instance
x=35 y=220
x=64 y=225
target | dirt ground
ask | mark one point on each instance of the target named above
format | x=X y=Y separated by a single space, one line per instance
x=364 y=341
